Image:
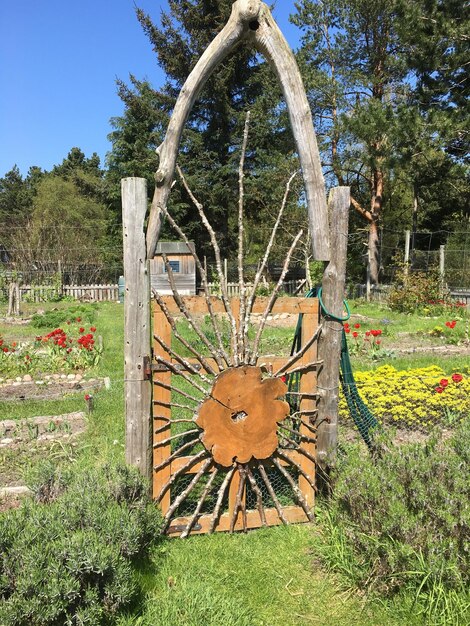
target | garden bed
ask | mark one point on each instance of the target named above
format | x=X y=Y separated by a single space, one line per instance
x=46 y=387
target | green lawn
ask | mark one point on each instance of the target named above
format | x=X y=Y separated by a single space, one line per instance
x=269 y=577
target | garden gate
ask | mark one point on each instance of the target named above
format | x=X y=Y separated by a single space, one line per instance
x=229 y=452
x=206 y=416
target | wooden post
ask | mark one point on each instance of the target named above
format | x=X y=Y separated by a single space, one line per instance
x=442 y=267
x=329 y=345
x=407 y=250
x=137 y=327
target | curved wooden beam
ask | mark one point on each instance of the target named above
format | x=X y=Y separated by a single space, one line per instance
x=249 y=20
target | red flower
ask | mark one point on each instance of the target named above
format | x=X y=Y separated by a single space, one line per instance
x=78 y=320
x=81 y=330
x=357 y=325
x=347 y=330
x=68 y=322
x=457 y=378
x=368 y=333
x=284 y=378
x=438 y=389
x=14 y=344
x=87 y=397
x=5 y=349
x=444 y=383
x=93 y=329
x=355 y=335
x=378 y=342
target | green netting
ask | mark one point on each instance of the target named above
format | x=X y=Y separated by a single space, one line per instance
x=361 y=415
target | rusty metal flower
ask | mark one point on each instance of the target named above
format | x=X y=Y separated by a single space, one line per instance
x=240 y=418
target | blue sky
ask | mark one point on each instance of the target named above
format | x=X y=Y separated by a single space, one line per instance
x=59 y=60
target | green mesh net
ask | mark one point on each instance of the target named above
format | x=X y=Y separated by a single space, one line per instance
x=361 y=415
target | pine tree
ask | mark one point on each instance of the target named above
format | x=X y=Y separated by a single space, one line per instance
x=209 y=152
x=355 y=69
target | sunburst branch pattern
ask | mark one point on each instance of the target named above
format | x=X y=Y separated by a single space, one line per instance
x=184 y=310
x=180 y=338
x=176 y=405
x=295 y=489
x=272 y=493
x=218 y=259
x=184 y=468
x=182 y=361
x=184 y=494
x=220 y=497
x=200 y=503
x=295 y=357
x=160 y=383
x=205 y=285
x=272 y=300
x=241 y=278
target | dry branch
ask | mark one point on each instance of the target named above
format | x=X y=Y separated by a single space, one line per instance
x=200 y=504
x=259 y=496
x=191 y=461
x=184 y=494
x=241 y=278
x=238 y=501
x=164 y=442
x=176 y=454
x=182 y=361
x=218 y=261
x=205 y=285
x=272 y=493
x=175 y=370
x=220 y=497
x=295 y=489
x=300 y=353
x=182 y=340
x=176 y=390
x=272 y=299
x=301 y=470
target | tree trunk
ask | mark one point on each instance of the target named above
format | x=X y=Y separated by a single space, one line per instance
x=375 y=213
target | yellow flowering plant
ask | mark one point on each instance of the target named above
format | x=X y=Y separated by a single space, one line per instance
x=418 y=398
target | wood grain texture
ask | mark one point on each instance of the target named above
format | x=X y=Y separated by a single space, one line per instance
x=137 y=327
x=329 y=345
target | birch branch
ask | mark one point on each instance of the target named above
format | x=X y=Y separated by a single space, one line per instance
x=241 y=278
x=272 y=299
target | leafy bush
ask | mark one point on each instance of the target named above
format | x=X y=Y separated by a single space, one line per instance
x=69 y=562
x=402 y=524
x=414 y=290
x=56 y=317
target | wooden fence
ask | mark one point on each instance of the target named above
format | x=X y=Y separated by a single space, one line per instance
x=92 y=293
x=290 y=287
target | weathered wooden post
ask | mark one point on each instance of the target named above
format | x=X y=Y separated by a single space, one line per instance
x=137 y=348
x=329 y=345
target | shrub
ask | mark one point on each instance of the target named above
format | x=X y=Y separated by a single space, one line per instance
x=56 y=317
x=402 y=523
x=69 y=562
x=414 y=290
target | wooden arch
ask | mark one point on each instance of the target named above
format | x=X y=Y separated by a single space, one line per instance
x=250 y=21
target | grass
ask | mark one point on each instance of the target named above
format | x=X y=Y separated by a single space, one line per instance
x=264 y=578
x=269 y=577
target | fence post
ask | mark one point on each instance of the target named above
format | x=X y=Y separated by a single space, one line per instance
x=329 y=345
x=442 y=267
x=137 y=327
x=407 y=250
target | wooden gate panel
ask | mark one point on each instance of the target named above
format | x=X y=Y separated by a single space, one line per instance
x=172 y=468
